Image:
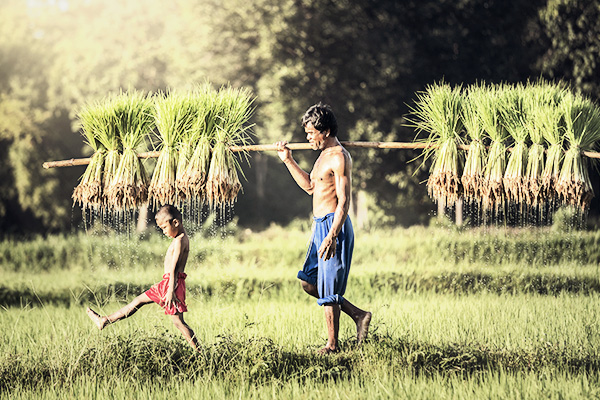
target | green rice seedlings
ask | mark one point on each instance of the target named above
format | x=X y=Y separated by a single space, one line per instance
x=472 y=178
x=232 y=129
x=513 y=120
x=547 y=118
x=553 y=134
x=184 y=152
x=537 y=108
x=489 y=108
x=437 y=112
x=581 y=118
x=108 y=136
x=88 y=193
x=190 y=138
x=134 y=120
x=174 y=115
x=192 y=183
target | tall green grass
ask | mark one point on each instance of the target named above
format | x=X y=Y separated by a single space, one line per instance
x=466 y=314
x=392 y=249
x=263 y=342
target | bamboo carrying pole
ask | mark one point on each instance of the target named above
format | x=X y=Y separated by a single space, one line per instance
x=293 y=146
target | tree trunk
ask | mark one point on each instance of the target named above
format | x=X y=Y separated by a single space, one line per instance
x=459 y=211
x=142 y=222
x=360 y=212
x=261 y=169
x=441 y=210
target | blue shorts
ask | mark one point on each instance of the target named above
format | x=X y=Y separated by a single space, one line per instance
x=329 y=277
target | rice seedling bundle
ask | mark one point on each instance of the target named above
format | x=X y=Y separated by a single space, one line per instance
x=184 y=152
x=535 y=105
x=108 y=136
x=581 y=119
x=88 y=193
x=134 y=120
x=541 y=121
x=190 y=138
x=550 y=122
x=437 y=112
x=232 y=129
x=174 y=115
x=191 y=183
x=513 y=119
x=490 y=108
x=472 y=178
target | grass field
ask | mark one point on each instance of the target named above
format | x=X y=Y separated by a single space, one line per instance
x=487 y=313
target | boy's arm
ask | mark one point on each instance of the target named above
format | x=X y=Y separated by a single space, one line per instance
x=170 y=267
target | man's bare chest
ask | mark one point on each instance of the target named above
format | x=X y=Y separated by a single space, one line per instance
x=321 y=172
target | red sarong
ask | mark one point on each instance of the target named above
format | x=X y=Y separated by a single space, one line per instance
x=158 y=292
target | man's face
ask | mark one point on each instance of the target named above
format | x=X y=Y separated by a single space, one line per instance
x=315 y=137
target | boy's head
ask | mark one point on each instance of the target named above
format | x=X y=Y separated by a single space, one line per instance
x=168 y=212
x=322 y=118
x=168 y=218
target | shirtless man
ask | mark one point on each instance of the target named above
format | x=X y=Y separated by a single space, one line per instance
x=325 y=271
x=169 y=293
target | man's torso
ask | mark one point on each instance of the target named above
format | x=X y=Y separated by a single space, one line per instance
x=325 y=198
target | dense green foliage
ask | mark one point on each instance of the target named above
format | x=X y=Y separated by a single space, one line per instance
x=367 y=59
x=573 y=42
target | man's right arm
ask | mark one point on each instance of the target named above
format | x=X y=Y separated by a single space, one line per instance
x=301 y=177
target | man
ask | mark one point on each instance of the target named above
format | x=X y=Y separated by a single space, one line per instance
x=325 y=271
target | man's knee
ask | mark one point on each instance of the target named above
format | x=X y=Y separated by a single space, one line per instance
x=309 y=288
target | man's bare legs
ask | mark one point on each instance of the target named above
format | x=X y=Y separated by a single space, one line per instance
x=332 y=319
x=361 y=318
x=184 y=328
x=124 y=312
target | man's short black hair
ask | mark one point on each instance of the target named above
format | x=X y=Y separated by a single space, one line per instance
x=168 y=212
x=322 y=118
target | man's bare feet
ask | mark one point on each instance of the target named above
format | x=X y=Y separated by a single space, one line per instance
x=327 y=350
x=362 y=328
x=98 y=320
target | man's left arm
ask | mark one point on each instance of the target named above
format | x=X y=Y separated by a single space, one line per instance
x=343 y=183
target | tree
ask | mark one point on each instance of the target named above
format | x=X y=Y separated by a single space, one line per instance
x=570 y=34
x=29 y=193
x=367 y=59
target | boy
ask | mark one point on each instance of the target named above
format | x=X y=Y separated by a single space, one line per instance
x=170 y=292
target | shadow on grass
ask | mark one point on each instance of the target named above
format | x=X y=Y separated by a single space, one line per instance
x=148 y=356
x=472 y=358
x=145 y=358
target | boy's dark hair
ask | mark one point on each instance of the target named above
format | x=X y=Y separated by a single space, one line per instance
x=168 y=212
x=322 y=118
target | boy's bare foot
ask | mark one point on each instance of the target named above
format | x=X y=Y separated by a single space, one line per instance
x=327 y=350
x=362 y=328
x=98 y=320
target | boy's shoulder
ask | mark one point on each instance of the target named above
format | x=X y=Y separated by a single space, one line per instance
x=184 y=239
